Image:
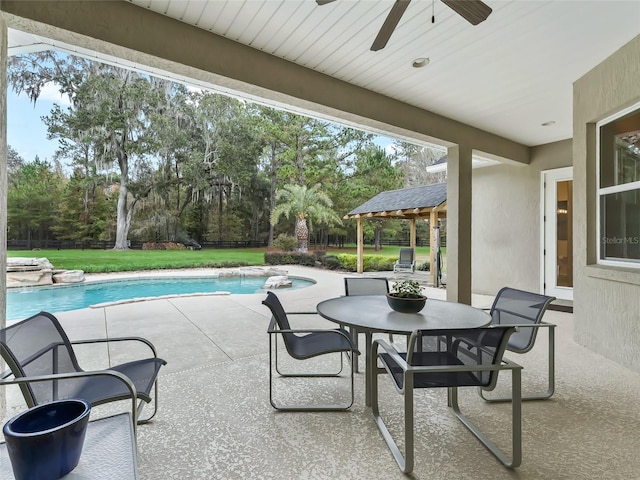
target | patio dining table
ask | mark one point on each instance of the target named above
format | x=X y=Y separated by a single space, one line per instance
x=371 y=314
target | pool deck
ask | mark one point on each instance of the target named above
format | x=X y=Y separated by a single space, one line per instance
x=215 y=421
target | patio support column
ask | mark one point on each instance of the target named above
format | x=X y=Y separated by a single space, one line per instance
x=3 y=173
x=3 y=190
x=459 y=224
x=360 y=266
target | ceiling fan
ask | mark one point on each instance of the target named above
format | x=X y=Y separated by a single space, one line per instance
x=473 y=11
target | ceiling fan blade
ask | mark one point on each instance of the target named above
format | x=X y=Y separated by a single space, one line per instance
x=390 y=24
x=324 y=2
x=473 y=11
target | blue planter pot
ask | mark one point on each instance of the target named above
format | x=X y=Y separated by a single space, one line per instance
x=45 y=442
x=406 y=304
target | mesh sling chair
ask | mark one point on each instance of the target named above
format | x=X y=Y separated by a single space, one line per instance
x=406 y=260
x=364 y=286
x=465 y=358
x=314 y=343
x=524 y=309
x=42 y=361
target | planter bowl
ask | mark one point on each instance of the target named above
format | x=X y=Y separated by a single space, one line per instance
x=45 y=442
x=406 y=304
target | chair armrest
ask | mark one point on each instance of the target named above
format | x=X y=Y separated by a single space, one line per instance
x=532 y=325
x=62 y=376
x=390 y=350
x=504 y=365
x=273 y=330
x=310 y=313
x=117 y=339
x=395 y=356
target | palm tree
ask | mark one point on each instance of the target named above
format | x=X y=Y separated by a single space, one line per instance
x=305 y=203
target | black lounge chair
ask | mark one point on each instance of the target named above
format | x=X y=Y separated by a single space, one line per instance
x=448 y=359
x=406 y=260
x=524 y=309
x=42 y=361
x=314 y=343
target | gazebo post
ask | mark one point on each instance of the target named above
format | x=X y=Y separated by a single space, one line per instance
x=433 y=222
x=412 y=233
x=360 y=233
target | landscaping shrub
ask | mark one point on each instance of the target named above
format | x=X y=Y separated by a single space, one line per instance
x=371 y=263
x=423 y=267
x=291 y=258
x=342 y=261
x=331 y=262
x=379 y=264
x=226 y=264
x=284 y=242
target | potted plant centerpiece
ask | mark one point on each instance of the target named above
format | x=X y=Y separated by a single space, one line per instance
x=406 y=297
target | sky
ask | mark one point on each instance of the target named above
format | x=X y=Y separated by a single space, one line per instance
x=27 y=133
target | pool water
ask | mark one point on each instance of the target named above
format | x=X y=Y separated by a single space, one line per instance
x=24 y=302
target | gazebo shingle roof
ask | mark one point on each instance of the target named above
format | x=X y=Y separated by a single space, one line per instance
x=424 y=197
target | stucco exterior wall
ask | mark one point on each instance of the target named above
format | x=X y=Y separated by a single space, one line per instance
x=506 y=220
x=606 y=299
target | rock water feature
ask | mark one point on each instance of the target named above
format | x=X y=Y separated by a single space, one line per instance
x=278 y=281
x=27 y=272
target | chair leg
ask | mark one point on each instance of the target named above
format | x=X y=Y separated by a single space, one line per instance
x=405 y=462
x=516 y=423
x=304 y=408
x=550 y=375
x=353 y=332
x=141 y=404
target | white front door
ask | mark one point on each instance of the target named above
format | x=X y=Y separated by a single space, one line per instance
x=557 y=225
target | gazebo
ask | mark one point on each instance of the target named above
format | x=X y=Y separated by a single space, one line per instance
x=428 y=202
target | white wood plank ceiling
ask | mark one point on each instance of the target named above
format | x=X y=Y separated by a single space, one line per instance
x=507 y=75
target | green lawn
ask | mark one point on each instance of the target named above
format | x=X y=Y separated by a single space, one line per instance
x=102 y=261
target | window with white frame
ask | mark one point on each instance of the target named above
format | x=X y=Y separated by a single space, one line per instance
x=619 y=189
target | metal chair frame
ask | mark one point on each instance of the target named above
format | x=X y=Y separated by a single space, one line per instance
x=275 y=331
x=15 y=370
x=406 y=461
x=545 y=302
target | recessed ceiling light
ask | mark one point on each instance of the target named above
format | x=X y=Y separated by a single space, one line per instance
x=549 y=123
x=420 y=62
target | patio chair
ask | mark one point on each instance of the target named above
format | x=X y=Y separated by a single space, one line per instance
x=469 y=358
x=406 y=260
x=364 y=286
x=314 y=343
x=42 y=361
x=524 y=309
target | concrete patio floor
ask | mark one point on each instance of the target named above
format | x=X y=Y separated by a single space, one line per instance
x=215 y=421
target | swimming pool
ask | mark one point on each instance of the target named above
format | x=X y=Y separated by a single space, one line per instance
x=24 y=302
